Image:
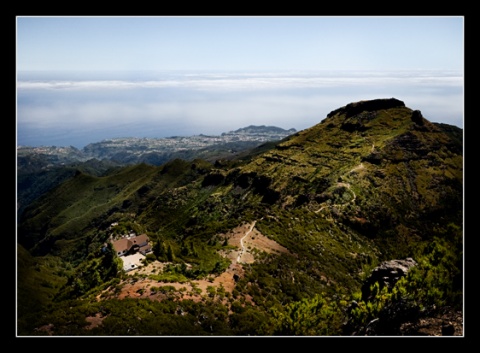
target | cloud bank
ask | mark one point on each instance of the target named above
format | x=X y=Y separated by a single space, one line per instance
x=65 y=109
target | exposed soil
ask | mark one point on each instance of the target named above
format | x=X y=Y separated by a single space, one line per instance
x=248 y=242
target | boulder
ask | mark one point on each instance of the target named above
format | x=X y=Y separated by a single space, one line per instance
x=387 y=274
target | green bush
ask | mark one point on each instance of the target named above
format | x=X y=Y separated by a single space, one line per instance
x=317 y=316
x=429 y=285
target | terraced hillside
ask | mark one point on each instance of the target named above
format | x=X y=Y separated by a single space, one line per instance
x=249 y=245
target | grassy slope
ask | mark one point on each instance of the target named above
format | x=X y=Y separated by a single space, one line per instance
x=38 y=281
x=340 y=198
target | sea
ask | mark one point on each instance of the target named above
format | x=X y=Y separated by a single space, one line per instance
x=76 y=108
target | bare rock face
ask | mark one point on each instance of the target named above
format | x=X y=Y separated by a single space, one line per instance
x=387 y=274
x=372 y=105
x=368 y=106
x=417 y=117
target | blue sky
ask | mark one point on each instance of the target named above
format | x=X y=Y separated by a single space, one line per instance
x=240 y=43
x=84 y=79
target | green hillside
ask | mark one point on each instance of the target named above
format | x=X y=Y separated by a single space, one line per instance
x=373 y=181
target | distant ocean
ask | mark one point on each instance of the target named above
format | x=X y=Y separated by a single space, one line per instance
x=78 y=108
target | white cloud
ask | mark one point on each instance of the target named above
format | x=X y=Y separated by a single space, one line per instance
x=215 y=82
x=212 y=104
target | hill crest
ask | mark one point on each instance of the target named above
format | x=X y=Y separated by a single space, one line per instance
x=362 y=186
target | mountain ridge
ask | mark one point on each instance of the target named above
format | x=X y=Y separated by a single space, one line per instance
x=373 y=181
x=41 y=168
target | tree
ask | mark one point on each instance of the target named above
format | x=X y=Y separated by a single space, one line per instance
x=170 y=254
x=159 y=248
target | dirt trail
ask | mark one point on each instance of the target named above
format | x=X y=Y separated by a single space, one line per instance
x=242 y=246
x=246 y=239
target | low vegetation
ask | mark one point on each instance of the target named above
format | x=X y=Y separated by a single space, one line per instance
x=359 y=188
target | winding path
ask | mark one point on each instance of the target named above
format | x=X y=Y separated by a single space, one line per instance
x=241 y=242
x=337 y=205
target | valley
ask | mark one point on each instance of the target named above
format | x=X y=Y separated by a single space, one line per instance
x=247 y=243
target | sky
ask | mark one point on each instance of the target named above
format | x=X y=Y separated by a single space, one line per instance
x=83 y=79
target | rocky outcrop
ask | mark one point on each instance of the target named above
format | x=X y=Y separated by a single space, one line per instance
x=417 y=117
x=387 y=274
x=368 y=106
x=390 y=319
x=214 y=178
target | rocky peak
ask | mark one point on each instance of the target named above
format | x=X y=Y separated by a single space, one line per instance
x=355 y=108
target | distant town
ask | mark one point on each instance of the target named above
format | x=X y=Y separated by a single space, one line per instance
x=130 y=149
